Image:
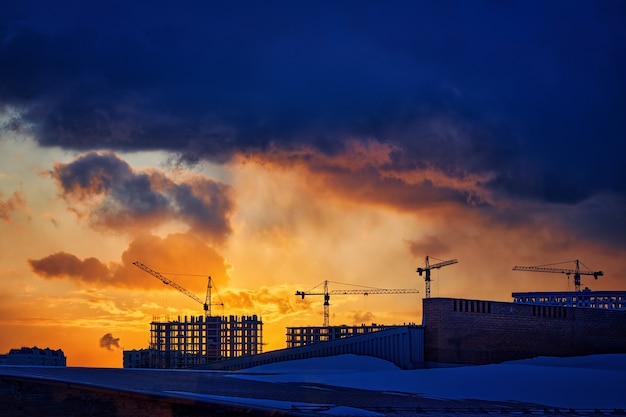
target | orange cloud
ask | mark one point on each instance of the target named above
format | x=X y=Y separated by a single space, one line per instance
x=179 y=253
x=369 y=173
x=427 y=244
x=273 y=303
x=176 y=253
x=359 y=317
x=64 y=265
x=15 y=201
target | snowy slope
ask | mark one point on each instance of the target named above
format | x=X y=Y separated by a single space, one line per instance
x=597 y=381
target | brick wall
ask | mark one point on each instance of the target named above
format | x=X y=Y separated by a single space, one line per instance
x=480 y=332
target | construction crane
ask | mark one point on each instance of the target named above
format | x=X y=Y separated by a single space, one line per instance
x=206 y=304
x=427 y=269
x=327 y=293
x=207 y=300
x=577 y=272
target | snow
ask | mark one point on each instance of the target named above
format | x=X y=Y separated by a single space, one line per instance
x=586 y=382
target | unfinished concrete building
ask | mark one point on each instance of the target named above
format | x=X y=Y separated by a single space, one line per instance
x=308 y=335
x=195 y=341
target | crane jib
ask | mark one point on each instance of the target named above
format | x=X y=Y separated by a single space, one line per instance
x=171 y=283
x=327 y=293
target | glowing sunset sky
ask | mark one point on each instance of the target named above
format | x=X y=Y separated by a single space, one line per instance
x=275 y=145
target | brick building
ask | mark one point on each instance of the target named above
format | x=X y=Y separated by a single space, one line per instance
x=480 y=332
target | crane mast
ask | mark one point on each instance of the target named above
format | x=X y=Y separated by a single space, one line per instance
x=576 y=271
x=327 y=293
x=206 y=304
x=426 y=270
x=207 y=299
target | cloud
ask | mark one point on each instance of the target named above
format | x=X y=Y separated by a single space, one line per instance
x=104 y=189
x=182 y=253
x=367 y=173
x=176 y=253
x=50 y=217
x=109 y=342
x=452 y=86
x=14 y=202
x=67 y=266
x=365 y=317
x=427 y=245
x=275 y=303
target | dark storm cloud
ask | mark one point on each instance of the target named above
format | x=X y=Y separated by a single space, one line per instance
x=118 y=198
x=532 y=92
x=601 y=219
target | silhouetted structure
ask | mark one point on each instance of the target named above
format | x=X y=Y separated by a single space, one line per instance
x=307 y=335
x=197 y=341
x=466 y=331
x=609 y=300
x=34 y=357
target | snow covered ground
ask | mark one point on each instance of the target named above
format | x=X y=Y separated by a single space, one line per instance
x=586 y=382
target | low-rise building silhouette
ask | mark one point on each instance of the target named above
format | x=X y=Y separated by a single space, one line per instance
x=34 y=357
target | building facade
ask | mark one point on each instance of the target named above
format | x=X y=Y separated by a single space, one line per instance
x=466 y=331
x=609 y=300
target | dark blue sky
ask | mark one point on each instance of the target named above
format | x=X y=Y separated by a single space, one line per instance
x=531 y=92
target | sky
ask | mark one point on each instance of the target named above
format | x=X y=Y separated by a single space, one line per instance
x=276 y=145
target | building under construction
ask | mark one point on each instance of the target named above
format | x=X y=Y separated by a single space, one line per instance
x=197 y=340
x=453 y=330
x=194 y=341
x=307 y=335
